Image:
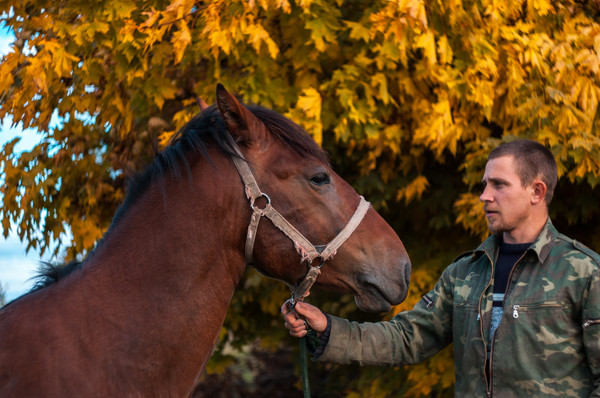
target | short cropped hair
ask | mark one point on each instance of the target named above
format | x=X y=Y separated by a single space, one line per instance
x=532 y=160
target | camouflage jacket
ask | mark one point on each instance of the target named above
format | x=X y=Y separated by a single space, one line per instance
x=547 y=344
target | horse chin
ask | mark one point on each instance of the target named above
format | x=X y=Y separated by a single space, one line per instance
x=372 y=304
x=375 y=296
x=374 y=299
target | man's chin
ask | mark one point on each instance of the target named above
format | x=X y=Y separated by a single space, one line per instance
x=495 y=229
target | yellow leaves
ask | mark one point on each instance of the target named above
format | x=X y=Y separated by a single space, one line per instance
x=85 y=233
x=181 y=39
x=274 y=4
x=84 y=33
x=411 y=9
x=587 y=62
x=307 y=113
x=376 y=389
x=258 y=36
x=153 y=36
x=309 y=103
x=541 y=7
x=36 y=72
x=426 y=41
x=426 y=378
x=226 y=32
x=152 y=19
x=588 y=96
x=358 y=31
x=178 y=9
x=55 y=55
x=397 y=22
x=117 y=10
x=436 y=129
x=174 y=18
x=470 y=215
x=379 y=80
x=63 y=61
x=445 y=52
x=323 y=29
x=9 y=63
x=414 y=190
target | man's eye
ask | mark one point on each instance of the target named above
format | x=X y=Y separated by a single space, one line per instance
x=320 y=179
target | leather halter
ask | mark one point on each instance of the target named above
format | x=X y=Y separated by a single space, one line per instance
x=303 y=246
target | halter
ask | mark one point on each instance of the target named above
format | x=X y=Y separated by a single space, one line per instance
x=307 y=250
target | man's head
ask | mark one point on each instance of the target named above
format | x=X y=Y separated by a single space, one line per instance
x=532 y=161
x=520 y=177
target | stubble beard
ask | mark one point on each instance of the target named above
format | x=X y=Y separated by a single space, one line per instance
x=497 y=227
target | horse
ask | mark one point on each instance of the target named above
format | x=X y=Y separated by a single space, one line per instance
x=141 y=314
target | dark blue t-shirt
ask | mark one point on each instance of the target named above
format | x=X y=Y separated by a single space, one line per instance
x=507 y=257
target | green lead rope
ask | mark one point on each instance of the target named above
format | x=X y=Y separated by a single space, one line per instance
x=311 y=340
x=304 y=367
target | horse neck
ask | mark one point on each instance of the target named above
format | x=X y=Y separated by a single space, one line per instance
x=173 y=264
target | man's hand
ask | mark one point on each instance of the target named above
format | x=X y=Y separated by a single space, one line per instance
x=301 y=317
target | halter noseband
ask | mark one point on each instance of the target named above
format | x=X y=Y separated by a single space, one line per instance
x=303 y=246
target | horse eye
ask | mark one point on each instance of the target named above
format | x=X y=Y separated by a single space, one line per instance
x=320 y=179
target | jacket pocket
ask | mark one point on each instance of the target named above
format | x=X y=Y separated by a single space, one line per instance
x=553 y=305
x=590 y=322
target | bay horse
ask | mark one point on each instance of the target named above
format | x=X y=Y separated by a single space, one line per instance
x=141 y=315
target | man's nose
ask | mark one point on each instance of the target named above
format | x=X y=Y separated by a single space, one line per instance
x=485 y=195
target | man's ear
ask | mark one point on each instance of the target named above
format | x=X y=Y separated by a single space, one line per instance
x=241 y=123
x=539 y=191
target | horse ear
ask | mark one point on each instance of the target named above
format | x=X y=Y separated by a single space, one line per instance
x=240 y=122
x=202 y=104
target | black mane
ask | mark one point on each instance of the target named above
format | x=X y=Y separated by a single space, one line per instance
x=187 y=146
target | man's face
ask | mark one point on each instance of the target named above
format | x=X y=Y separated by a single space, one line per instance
x=507 y=204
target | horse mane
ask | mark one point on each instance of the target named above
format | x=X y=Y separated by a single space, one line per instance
x=50 y=273
x=209 y=127
x=187 y=146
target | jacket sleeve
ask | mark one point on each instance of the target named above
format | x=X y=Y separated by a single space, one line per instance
x=591 y=329
x=410 y=337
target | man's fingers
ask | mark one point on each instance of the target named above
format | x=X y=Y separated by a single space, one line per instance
x=302 y=333
x=285 y=308
x=302 y=318
x=293 y=321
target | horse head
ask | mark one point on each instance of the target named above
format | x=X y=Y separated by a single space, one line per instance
x=289 y=167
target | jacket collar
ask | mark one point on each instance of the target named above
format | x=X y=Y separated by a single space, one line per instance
x=541 y=246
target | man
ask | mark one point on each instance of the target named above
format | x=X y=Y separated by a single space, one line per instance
x=523 y=309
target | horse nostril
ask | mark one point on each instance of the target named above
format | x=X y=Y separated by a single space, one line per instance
x=407 y=269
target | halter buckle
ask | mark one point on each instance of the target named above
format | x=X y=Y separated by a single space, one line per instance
x=262 y=195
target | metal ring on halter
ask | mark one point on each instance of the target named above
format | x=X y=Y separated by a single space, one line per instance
x=292 y=303
x=262 y=195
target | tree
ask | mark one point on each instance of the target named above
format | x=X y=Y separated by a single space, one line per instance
x=408 y=97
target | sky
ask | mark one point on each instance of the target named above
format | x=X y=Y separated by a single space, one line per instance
x=16 y=266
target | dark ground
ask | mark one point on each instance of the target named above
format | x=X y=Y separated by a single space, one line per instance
x=263 y=374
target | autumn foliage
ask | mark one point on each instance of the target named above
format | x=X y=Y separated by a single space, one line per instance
x=407 y=96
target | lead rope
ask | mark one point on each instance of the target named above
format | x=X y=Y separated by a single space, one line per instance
x=304 y=288
x=303 y=354
x=304 y=367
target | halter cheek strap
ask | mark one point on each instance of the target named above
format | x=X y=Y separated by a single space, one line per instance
x=303 y=246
